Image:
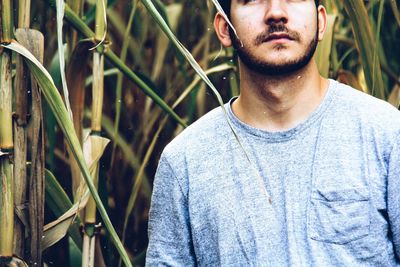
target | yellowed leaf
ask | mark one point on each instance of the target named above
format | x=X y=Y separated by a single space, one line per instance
x=394 y=97
x=349 y=78
x=93 y=148
x=323 y=53
x=173 y=13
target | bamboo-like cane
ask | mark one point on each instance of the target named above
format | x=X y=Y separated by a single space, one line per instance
x=6 y=21
x=7 y=209
x=72 y=35
x=6 y=149
x=34 y=41
x=34 y=184
x=24 y=8
x=6 y=140
x=90 y=227
x=20 y=133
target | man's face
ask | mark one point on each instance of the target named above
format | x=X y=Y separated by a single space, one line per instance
x=276 y=37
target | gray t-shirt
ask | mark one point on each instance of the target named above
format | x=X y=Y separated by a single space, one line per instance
x=325 y=193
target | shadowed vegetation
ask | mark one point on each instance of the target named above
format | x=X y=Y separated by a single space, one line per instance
x=91 y=91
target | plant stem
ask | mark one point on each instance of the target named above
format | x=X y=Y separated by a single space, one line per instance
x=117 y=62
x=55 y=102
x=97 y=102
x=6 y=21
x=89 y=239
x=97 y=91
x=72 y=35
x=24 y=7
x=100 y=25
x=7 y=208
x=6 y=138
x=20 y=131
x=6 y=147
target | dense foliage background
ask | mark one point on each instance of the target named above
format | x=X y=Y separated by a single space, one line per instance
x=145 y=76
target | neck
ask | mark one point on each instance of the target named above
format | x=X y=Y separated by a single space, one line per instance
x=279 y=103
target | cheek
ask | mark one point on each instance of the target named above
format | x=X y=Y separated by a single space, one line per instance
x=308 y=32
x=245 y=31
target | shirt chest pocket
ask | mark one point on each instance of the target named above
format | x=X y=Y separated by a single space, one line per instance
x=339 y=216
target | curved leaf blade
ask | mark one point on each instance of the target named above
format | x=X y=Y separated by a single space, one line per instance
x=55 y=101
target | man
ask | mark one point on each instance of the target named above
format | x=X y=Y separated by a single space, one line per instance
x=312 y=176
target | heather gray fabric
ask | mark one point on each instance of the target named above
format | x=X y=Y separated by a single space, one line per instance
x=325 y=193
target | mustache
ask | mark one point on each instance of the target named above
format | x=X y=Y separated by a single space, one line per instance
x=276 y=28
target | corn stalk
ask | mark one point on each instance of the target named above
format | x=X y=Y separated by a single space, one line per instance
x=34 y=41
x=76 y=84
x=90 y=227
x=72 y=35
x=6 y=149
x=6 y=142
x=118 y=63
x=20 y=138
x=54 y=100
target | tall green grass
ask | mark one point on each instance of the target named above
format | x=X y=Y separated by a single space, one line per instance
x=164 y=54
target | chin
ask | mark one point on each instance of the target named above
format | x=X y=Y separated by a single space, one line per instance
x=279 y=61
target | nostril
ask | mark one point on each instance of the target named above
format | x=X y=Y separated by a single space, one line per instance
x=276 y=20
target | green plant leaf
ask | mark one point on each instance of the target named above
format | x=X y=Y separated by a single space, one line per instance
x=60 y=16
x=59 y=203
x=64 y=121
x=366 y=45
x=115 y=60
x=323 y=53
x=140 y=174
x=173 y=12
x=395 y=10
x=93 y=150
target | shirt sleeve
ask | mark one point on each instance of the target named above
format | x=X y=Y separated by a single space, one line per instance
x=393 y=197
x=170 y=242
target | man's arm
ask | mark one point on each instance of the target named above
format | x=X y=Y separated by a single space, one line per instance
x=170 y=242
x=393 y=196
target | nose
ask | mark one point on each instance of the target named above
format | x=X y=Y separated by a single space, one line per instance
x=276 y=12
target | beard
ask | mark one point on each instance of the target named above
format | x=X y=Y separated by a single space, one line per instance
x=270 y=68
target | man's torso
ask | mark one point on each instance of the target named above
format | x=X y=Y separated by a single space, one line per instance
x=312 y=196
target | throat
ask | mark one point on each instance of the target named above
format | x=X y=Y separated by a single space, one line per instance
x=276 y=107
x=268 y=118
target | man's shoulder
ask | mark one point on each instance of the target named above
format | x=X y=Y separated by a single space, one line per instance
x=375 y=112
x=206 y=131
